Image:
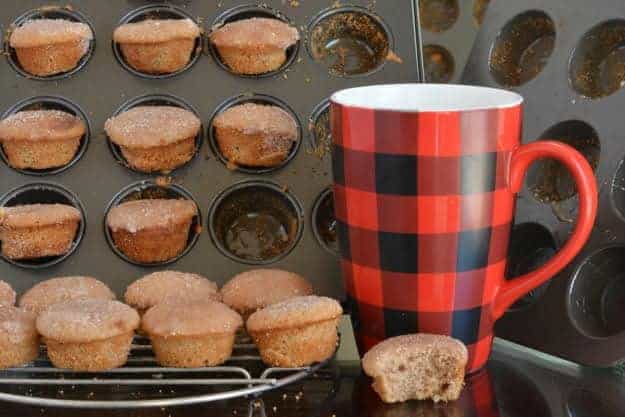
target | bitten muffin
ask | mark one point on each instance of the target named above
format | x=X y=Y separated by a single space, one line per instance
x=41 y=139
x=254 y=46
x=191 y=334
x=38 y=230
x=296 y=332
x=7 y=295
x=19 y=341
x=255 y=135
x=156 y=287
x=46 y=47
x=88 y=334
x=252 y=290
x=157 y=46
x=149 y=231
x=154 y=138
x=57 y=290
x=417 y=367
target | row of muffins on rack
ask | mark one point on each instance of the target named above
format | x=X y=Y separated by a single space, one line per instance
x=189 y=321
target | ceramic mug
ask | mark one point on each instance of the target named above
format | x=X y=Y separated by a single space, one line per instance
x=425 y=178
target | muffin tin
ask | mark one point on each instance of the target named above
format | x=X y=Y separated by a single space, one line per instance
x=569 y=67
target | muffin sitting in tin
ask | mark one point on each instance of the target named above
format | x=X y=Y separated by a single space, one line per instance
x=7 y=295
x=19 y=341
x=152 y=230
x=254 y=46
x=255 y=135
x=38 y=230
x=157 y=46
x=47 y=47
x=154 y=138
x=41 y=139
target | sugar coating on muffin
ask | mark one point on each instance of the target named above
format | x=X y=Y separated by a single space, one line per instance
x=7 y=295
x=19 y=341
x=41 y=139
x=155 y=138
x=256 y=135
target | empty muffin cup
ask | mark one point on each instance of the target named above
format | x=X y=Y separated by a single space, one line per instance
x=439 y=64
x=324 y=221
x=320 y=130
x=438 y=15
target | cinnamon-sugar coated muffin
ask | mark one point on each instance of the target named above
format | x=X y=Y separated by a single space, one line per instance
x=7 y=295
x=88 y=334
x=38 y=230
x=156 y=287
x=19 y=341
x=255 y=289
x=417 y=367
x=255 y=135
x=61 y=289
x=47 y=47
x=296 y=332
x=157 y=46
x=41 y=139
x=191 y=334
x=151 y=230
x=154 y=138
x=254 y=46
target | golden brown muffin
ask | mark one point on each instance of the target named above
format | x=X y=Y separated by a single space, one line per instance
x=417 y=367
x=157 y=46
x=88 y=334
x=255 y=135
x=50 y=46
x=38 y=230
x=19 y=341
x=191 y=334
x=255 y=289
x=58 y=290
x=149 y=231
x=41 y=139
x=296 y=332
x=254 y=46
x=7 y=295
x=156 y=287
x=154 y=138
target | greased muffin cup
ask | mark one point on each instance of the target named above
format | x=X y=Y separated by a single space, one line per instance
x=7 y=295
x=296 y=332
x=19 y=341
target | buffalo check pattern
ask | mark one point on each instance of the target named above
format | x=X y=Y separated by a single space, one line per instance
x=424 y=214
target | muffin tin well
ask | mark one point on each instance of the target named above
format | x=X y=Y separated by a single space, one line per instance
x=324 y=222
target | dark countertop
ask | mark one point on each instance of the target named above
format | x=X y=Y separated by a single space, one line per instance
x=517 y=383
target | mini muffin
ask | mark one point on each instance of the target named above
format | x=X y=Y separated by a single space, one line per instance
x=417 y=367
x=7 y=295
x=149 y=231
x=41 y=139
x=50 y=46
x=19 y=341
x=154 y=138
x=254 y=46
x=252 y=290
x=154 y=288
x=38 y=230
x=57 y=290
x=191 y=334
x=296 y=332
x=160 y=46
x=88 y=334
x=255 y=135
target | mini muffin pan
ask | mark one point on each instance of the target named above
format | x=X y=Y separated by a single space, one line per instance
x=248 y=217
x=570 y=68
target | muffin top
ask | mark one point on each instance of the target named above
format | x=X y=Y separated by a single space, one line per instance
x=57 y=290
x=177 y=317
x=254 y=119
x=134 y=216
x=17 y=325
x=294 y=312
x=258 y=288
x=87 y=320
x=41 y=125
x=152 y=126
x=254 y=33
x=33 y=215
x=7 y=295
x=156 y=287
x=156 y=31
x=41 y=32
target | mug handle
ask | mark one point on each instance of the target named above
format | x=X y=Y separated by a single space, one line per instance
x=584 y=178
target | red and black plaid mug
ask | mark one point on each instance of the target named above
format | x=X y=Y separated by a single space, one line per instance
x=425 y=178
